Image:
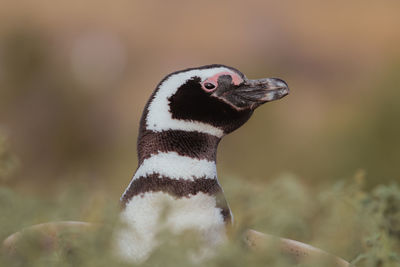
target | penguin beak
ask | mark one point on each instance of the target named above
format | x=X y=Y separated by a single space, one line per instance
x=250 y=94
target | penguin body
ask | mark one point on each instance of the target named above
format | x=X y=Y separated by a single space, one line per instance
x=181 y=126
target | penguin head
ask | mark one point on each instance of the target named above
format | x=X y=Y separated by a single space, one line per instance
x=213 y=99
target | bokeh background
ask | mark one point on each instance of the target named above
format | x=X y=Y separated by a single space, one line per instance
x=75 y=76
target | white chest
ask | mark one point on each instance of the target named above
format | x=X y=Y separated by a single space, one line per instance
x=143 y=219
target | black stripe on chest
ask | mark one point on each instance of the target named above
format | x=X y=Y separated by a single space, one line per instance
x=191 y=144
x=178 y=188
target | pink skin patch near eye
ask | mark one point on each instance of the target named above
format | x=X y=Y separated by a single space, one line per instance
x=236 y=79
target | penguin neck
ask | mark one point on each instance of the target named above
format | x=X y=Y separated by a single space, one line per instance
x=194 y=145
x=179 y=163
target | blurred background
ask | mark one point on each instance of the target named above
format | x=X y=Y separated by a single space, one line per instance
x=75 y=76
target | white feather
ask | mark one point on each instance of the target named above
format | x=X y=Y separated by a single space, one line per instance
x=142 y=222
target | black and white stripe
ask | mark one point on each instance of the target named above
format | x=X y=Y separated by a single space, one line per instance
x=178 y=188
x=178 y=163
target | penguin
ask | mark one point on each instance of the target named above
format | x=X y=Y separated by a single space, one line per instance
x=183 y=122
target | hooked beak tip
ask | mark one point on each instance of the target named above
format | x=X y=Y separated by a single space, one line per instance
x=274 y=89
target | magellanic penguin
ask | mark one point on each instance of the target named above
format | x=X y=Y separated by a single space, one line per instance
x=180 y=129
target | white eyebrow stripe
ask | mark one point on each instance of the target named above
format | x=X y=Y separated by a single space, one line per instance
x=159 y=116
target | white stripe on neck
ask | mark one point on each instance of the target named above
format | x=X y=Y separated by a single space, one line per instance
x=174 y=166
x=159 y=116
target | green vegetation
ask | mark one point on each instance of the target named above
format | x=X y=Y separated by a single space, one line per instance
x=8 y=161
x=362 y=226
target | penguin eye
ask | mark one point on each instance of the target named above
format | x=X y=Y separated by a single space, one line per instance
x=209 y=86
